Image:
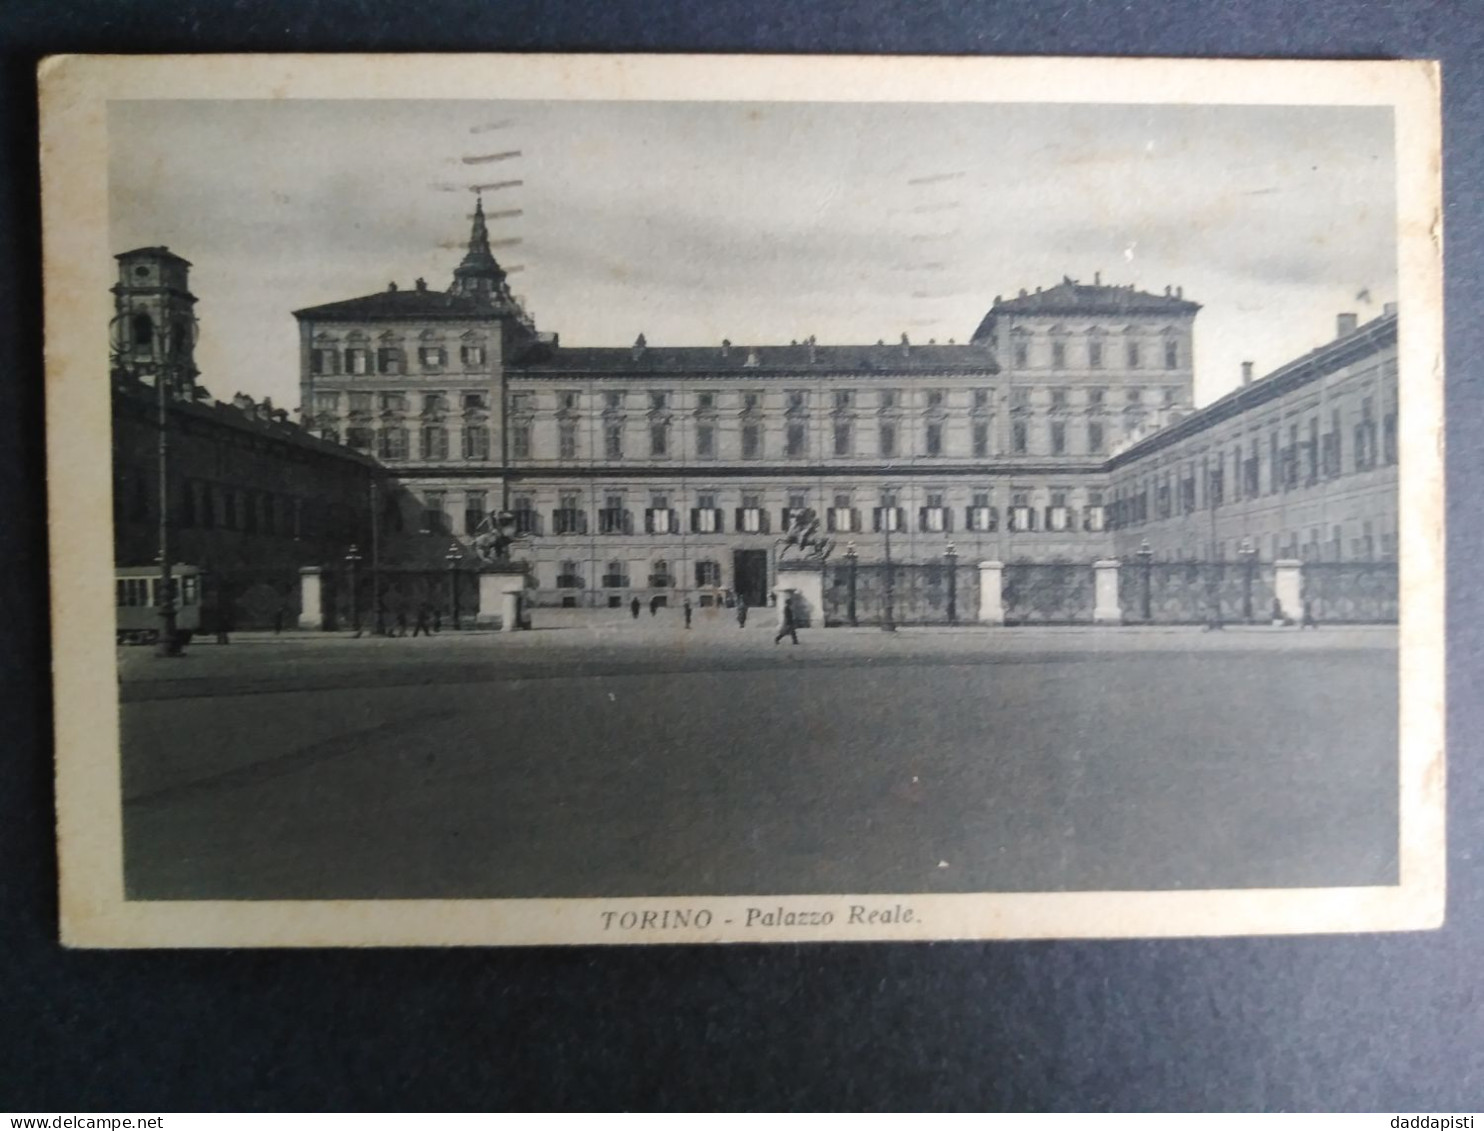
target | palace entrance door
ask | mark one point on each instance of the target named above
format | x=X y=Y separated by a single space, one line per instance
x=750 y=576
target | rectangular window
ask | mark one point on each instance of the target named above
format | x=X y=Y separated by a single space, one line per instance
x=659 y=440
x=472 y=356
x=474 y=400
x=435 y=442
x=613 y=400
x=1095 y=439
x=843 y=399
x=1018 y=438
x=1172 y=395
x=706 y=401
x=613 y=441
x=1058 y=355
x=1096 y=397
x=569 y=518
x=659 y=400
x=981 y=440
x=476 y=442
x=524 y=509
x=1094 y=355
x=1059 y=399
x=520 y=441
x=794 y=446
x=981 y=398
x=935 y=398
x=842 y=439
x=361 y=438
x=981 y=516
x=357 y=361
x=567 y=440
x=324 y=361
x=389 y=360
x=434 y=403
x=475 y=506
x=393 y=402
x=751 y=441
x=327 y=402
x=795 y=400
x=1172 y=355
x=935 y=439
x=1058 y=438
x=567 y=400
x=432 y=357
x=888 y=441
x=751 y=401
x=708 y=574
x=888 y=398
x=435 y=518
x=1131 y=353
x=706 y=440
x=393 y=443
x=750 y=516
x=360 y=402
x=1022 y=355
x=613 y=518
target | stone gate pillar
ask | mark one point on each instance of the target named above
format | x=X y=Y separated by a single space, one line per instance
x=806 y=583
x=1105 y=609
x=991 y=593
x=499 y=599
x=311 y=599
x=1288 y=588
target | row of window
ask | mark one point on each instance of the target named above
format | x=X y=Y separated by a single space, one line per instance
x=359 y=361
x=523 y=402
x=1304 y=461
x=1134 y=355
x=433 y=403
x=616 y=575
x=394 y=443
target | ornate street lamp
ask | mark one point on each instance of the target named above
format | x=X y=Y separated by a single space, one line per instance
x=168 y=340
x=353 y=559
x=1248 y=553
x=1145 y=556
x=950 y=555
x=454 y=556
x=851 y=560
x=889 y=620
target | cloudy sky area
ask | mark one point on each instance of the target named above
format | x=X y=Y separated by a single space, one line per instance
x=762 y=222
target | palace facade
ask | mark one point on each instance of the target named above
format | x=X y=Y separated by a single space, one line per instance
x=651 y=470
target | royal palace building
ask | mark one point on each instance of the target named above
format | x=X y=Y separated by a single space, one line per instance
x=650 y=470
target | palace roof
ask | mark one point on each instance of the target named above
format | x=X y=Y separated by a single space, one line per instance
x=744 y=361
x=402 y=305
x=1072 y=298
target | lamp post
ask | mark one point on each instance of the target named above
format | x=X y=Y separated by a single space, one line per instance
x=951 y=555
x=889 y=620
x=352 y=559
x=1248 y=553
x=851 y=559
x=454 y=556
x=1145 y=556
x=164 y=340
x=1213 y=569
x=378 y=611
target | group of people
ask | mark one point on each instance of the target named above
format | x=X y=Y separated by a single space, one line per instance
x=788 y=625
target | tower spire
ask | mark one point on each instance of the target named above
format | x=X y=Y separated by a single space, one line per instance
x=478 y=274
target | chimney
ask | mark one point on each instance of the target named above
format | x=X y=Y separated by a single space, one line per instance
x=1022 y=292
x=639 y=346
x=1246 y=372
x=1167 y=290
x=726 y=345
x=391 y=287
x=1345 y=325
x=1179 y=292
x=813 y=355
x=422 y=284
x=906 y=345
x=1388 y=310
x=1097 y=278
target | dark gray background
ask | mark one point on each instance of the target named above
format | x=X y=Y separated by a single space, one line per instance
x=1372 y=1022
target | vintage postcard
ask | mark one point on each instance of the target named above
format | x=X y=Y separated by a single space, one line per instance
x=538 y=499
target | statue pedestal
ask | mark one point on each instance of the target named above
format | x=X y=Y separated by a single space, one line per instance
x=500 y=591
x=805 y=581
x=311 y=599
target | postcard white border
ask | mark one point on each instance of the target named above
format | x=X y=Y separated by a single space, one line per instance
x=74 y=93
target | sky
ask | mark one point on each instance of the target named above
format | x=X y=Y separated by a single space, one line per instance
x=761 y=222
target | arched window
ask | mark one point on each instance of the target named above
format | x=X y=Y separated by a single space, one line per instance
x=142 y=330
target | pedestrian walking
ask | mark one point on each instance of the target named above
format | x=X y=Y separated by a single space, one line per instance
x=437 y=620
x=686 y=607
x=223 y=626
x=654 y=605
x=634 y=607
x=789 y=627
x=277 y=622
x=422 y=622
x=401 y=620
x=741 y=611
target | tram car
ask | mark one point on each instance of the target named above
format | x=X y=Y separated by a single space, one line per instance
x=137 y=602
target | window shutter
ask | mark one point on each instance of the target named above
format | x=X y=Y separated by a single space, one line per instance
x=968 y=518
x=738 y=516
x=855 y=519
x=582 y=522
x=947 y=520
x=695 y=521
x=829 y=520
x=876 y=520
x=763 y=521
x=674 y=521
x=649 y=520
x=556 y=521
x=718 y=515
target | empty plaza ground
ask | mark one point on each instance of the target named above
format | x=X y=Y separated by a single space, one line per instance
x=600 y=756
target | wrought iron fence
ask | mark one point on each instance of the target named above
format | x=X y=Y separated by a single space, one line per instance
x=1351 y=592
x=920 y=593
x=1048 y=593
x=1195 y=592
x=250 y=599
x=403 y=593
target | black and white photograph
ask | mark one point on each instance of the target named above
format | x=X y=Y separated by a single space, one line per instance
x=641 y=500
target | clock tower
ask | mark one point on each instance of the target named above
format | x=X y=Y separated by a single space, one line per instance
x=154 y=324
